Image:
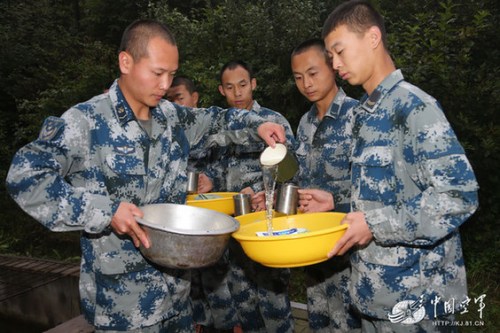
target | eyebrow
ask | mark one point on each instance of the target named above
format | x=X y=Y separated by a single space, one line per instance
x=308 y=69
x=334 y=45
x=174 y=96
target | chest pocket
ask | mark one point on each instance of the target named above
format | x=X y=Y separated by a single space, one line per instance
x=126 y=164
x=376 y=177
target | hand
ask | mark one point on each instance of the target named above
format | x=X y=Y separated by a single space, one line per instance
x=259 y=201
x=314 y=200
x=357 y=233
x=272 y=133
x=124 y=223
x=205 y=184
x=247 y=190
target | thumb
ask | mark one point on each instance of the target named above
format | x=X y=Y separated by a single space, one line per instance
x=135 y=211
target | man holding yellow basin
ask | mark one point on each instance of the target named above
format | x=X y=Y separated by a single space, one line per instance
x=412 y=189
x=323 y=148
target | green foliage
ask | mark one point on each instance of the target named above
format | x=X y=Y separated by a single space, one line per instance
x=447 y=51
x=263 y=33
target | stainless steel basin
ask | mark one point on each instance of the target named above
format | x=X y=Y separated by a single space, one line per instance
x=184 y=236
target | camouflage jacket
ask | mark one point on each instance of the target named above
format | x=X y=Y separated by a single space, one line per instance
x=324 y=148
x=95 y=156
x=412 y=180
x=238 y=167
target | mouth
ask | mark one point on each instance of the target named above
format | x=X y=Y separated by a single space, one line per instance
x=344 y=75
x=310 y=94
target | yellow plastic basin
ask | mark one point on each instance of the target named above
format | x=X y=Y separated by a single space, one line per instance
x=218 y=201
x=252 y=217
x=257 y=216
x=302 y=249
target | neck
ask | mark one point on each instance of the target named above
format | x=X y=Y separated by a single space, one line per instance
x=324 y=104
x=141 y=111
x=382 y=69
x=249 y=106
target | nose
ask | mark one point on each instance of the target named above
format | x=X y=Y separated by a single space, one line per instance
x=237 y=91
x=307 y=81
x=165 y=82
x=336 y=63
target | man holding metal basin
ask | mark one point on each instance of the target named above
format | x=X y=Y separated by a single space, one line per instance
x=92 y=168
x=323 y=149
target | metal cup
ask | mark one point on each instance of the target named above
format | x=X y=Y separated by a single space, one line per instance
x=286 y=163
x=242 y=204
x=287 y=199
x=192 y=182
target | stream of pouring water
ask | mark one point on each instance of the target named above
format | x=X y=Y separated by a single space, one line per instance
x=269 y=174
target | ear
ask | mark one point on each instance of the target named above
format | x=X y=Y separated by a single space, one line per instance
x=221 y=90
x=125 y=61
x=195 y=96
x=253 y=82
x=374 y=36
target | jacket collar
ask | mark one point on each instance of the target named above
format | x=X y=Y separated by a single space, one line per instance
x=370 y=103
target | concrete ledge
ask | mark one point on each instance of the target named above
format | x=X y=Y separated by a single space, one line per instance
x=75 y=325
x=299 y=313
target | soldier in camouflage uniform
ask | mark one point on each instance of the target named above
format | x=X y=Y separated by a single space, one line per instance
x=412 y=186
x=260 y=293
x=242 y=170
x=323 y=151
x=92 y=168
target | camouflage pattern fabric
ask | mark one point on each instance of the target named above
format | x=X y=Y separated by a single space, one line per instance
x=211 y=298
x=323 y=151
x=415 y=186
x=239 y=166
x=95 y=156
x=260 y=294
x=233 y=168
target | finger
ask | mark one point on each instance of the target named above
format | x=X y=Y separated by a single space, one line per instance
x=136 y=240
x=306 y=196
x=140 y=234
x=275 y=137
x=334 y=251
x=340 y=244
x=118 y=231
x=303 y=202
x=271 y=141
x=281 y=135
x=137 y=212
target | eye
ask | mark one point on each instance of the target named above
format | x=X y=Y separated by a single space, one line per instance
x=297 y=77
